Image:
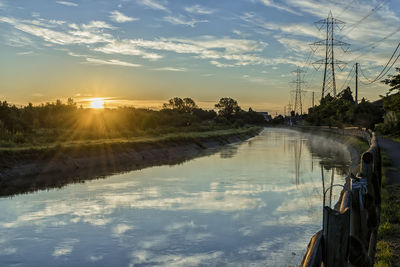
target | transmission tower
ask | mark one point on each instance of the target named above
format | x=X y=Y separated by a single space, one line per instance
x=298 y=104
x=329 y=24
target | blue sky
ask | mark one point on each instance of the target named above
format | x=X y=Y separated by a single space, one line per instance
x=144 y=52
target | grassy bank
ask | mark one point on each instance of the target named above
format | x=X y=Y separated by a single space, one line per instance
x=149 y=139
x=388 y=247
x=31 y=168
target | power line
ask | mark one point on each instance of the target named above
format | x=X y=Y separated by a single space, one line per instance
x=355 y=24
x=343 y=85
x=384 y=71
x=345 y=8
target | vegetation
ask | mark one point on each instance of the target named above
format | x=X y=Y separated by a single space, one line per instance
x=389 y=229
x=342 y=111
x=391 y=105
x=66 y=122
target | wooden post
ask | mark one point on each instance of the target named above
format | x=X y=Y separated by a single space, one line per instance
x=336 y=232
x=313 y=256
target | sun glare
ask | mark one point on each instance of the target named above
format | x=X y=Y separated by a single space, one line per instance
x=97 y=103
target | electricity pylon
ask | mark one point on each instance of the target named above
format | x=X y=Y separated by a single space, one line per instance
x=298 y=103
x=329 y=24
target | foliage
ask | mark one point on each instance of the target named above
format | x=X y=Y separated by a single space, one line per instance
x=186 y=105
x=393 y=81
x=341 y=111
x=60 y=122
x=227 y=107
x=391 y=105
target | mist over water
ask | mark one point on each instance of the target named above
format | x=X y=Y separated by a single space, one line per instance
x=257 y=202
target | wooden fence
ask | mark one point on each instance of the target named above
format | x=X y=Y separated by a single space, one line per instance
x=349 y=232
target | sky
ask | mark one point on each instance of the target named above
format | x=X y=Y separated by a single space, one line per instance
x=144 y=52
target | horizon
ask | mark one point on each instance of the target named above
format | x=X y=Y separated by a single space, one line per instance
x=145 y=52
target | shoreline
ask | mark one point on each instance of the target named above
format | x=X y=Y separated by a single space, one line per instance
x=354 y=144
x=24 y=171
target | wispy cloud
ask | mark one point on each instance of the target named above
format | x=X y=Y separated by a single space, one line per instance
x=25 y=53
x=97 y=61
x=288 y=28
x=67 y=3
x=117 y=16
x=272 y=3
x=170 y=69
x=197 y=9
x=65 y=247
x=221 y=65
x=85 y=34
x=127 y=47
x=180 y=20
x=154 y=4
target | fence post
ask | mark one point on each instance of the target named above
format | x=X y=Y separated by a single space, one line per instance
x=336 y=230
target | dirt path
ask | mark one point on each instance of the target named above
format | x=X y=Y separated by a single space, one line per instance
x=392 y=149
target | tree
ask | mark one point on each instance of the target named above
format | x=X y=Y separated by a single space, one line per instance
x=174 y=103
x=346 y=95
x=189 y=105
x=227 y=107
x=186 y=105
x=393 y=81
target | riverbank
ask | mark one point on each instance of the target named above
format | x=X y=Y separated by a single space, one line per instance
x=27 y=169
x=353 y=142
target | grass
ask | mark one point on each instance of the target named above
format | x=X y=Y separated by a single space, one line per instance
x=176 y=136
x=388 y=245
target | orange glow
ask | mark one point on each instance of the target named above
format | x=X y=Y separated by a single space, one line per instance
x=97 y=103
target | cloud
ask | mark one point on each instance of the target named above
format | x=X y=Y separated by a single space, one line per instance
x=25 y=53
x=307 y=30
x=154 y=4
x=240 y=51
x=65 y=247
x=97 y=61
x=96 y=24
x=221 y=65
x=182 y=21
x=197 y=9
x=127 y=47
x=255 y=79
x=117 y=16
x=271 y=3
x=170 y=69
x=85 y=34
x=176 y=260
x=239 y=33
x=119 y=229
x=66 y=3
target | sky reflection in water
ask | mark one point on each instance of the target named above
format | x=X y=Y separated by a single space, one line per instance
x=257 y=202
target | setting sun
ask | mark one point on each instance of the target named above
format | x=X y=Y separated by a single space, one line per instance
x=97 y=103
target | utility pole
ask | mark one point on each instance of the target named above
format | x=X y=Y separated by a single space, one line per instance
x=313 y=93
x=298 y=104
x=329 y=24
x=284 y=111
x=357 y=83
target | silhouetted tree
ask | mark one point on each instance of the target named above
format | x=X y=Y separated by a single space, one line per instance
x=227 y=107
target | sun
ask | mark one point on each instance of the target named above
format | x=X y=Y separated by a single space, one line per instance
x=97 y=103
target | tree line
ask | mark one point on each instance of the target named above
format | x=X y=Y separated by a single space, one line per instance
x=60 y=121
x=341 y=111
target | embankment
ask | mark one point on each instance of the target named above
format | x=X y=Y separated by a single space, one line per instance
x=29 y=169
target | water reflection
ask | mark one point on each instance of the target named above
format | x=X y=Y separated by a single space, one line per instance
x=256 y=206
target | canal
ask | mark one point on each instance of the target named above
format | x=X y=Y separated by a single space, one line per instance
x=252 y=203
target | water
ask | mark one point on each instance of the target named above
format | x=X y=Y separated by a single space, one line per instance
x=257 y=202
